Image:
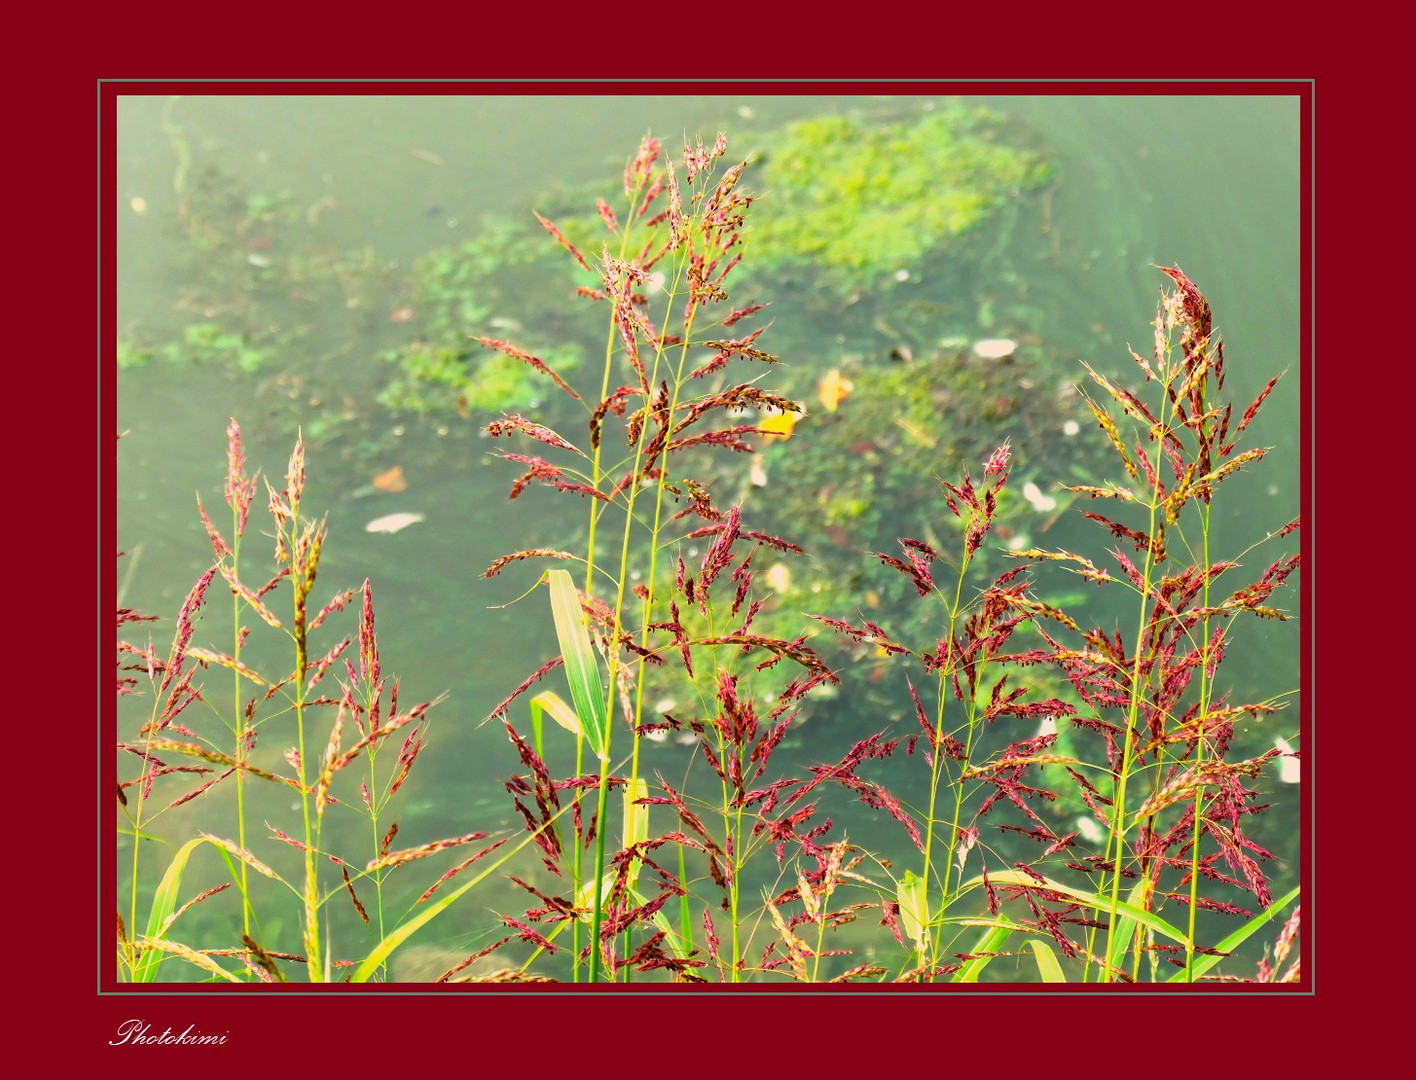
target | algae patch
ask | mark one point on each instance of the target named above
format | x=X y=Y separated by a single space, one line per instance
x=859 y=202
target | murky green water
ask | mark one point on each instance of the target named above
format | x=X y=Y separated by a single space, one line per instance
x=375 y=183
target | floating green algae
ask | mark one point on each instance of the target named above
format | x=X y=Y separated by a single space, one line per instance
x=858 y=201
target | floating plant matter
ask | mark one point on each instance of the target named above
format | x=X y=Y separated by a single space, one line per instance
x=392 y=523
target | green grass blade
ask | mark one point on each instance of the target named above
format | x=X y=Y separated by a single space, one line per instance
x=582 y=671
x=1125 y=931
x=1234 y=940
x=551 y=702
x=911 y=893
x=1047 y=966
x=992 y=941
x=405 y=930
x=680 y=947
x=164 y=903
x=1101 y=904
x=635 y=827
x=1130 y=915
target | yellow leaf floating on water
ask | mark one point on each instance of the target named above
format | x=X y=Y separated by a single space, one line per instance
x=777 y=426
x=393 y=480
x=833 y=389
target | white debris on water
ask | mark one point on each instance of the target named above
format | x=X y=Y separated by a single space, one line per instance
x=1090 y=830
x=1288 y=768
x=392 y=523
x=995 y=348
x=1037 y=500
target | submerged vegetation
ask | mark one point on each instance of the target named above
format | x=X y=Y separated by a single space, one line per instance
x=856 y=220
x=1072 y=794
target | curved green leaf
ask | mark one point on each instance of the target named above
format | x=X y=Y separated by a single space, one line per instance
x=582 y=671
x=911 y=893
x=1124 y=932
x=405 y=930
x=1047 y=966
x=1098 y=903
x=1234 y=940
x=164 y=903
x=992 y=941
x=551 y=702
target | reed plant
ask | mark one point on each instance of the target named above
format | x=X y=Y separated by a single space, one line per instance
x=1101 y=892
x=348 y=748
x=663 y=275
x=1149 y=730
x=1177 y=790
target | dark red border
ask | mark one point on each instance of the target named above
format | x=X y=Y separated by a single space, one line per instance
x=394 y=1029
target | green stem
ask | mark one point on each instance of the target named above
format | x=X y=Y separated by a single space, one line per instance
x=1118 y=816
x=238 y=718
x=301 y=574
x=598 y=886
x=597 y=474
x=937 y=769
x=1200 y=749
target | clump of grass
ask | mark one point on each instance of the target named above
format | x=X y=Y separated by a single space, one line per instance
x=1086 y=790
x=1176 y=790
x=1150 y=759
x=663 y=276
x=329 y=728
x=988 y=748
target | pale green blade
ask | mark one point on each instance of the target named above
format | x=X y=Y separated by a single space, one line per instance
x=1124 y=932
x=1101 y=904
x=991 y=942
x=635 y=827
x=559 y=711
x=164 y=903
x=911 y=893
x=1229 y=944
x=405 y=930
x=1047 y=965
x=582 y=671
